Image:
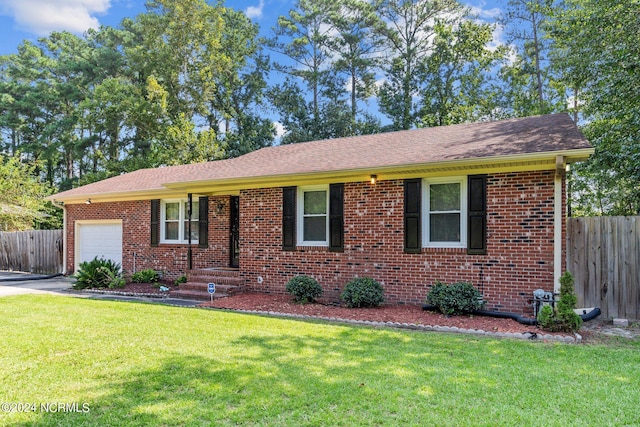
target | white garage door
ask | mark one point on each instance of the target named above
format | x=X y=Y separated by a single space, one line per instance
x=98 y=239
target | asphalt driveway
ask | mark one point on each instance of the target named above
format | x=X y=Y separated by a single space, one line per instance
x=14 y=283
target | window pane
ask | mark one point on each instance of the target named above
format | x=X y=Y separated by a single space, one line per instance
x=315 y=229
x=444 y=197
x=444 y=227
x=195 y=211
x=171 y=230
x=315 y=202
x=172 y=211
x=194 y=231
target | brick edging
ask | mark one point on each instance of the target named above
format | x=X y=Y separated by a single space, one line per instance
x=576 y=339
x=123 y=293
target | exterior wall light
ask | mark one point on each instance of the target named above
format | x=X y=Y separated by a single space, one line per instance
x=374 y=179
x=220 y=207
x=88 y=202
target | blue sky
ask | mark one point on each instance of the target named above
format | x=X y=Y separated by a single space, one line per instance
x=30 y=19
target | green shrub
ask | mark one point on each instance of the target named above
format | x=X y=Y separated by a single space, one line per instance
x=145 y=276
x=180 y=280
x=564 y=319
x=98 y=273
x=454 y=299
x=546 y=317
x=304 y=289
x=363 y=292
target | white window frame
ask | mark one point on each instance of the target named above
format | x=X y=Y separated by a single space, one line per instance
x=182 y=238
x=426 y=212
x=300 y=216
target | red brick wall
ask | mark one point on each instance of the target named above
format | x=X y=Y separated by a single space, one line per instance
x=137 y=253
x=519 y=247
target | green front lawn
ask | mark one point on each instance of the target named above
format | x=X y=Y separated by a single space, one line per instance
x=139 y=364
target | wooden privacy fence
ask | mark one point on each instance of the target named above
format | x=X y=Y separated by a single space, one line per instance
x=35 y=251
x=603 y=254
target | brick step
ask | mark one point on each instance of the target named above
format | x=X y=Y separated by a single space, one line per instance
x=227 y=280
x=217 y=272
x=218 y=280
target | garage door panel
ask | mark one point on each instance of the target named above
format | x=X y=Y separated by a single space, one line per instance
x=102 y=240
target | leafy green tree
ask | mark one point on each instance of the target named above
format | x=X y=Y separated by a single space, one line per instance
x=596 y=46
x=524 y=21
x=240 y=92
x=22 y=204
x=174 y=66
x=456 y=75
x=210 y=73
x=406 y=28
x=302 y=37
x=355 y=51
x=296 y=114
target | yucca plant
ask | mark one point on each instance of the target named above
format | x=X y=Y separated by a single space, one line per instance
x=145 y=276
x=98 y=273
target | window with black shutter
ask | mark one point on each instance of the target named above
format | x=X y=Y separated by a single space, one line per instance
x=336 y=217
x=155 y=222
x=289 y=195
x=412 y=203
x=477 y=216
x=203 y=222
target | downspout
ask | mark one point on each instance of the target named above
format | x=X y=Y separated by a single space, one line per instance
x=64 y=233
x=557 y=222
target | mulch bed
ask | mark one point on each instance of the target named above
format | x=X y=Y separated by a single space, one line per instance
x=399 y=314
x=402 y=314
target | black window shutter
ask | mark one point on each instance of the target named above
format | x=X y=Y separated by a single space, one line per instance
x=336 y=217
x=289 y=218
x=477 y=223
x=412 y=204
x=155 y=222
x=203 y=222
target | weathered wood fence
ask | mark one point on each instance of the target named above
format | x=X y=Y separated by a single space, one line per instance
x=35 y=251
x=603 y=254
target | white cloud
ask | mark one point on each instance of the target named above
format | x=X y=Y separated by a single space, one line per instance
x=486 y=14
x=43 y=16
x=255 y=11
x=280 y=131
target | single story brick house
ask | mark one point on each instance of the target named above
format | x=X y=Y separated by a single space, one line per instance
x=482 y=202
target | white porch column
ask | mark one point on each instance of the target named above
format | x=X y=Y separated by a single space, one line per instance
x=557 y=222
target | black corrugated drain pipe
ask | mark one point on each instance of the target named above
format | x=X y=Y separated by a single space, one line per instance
x=28 y=277
x=586 y=316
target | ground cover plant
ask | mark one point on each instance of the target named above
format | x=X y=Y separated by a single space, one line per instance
x=563 y=318
x=145 y=276
x=141 y=364
x=362 y=292
x=304 y=289
x=455 y=299
x=99 y=273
